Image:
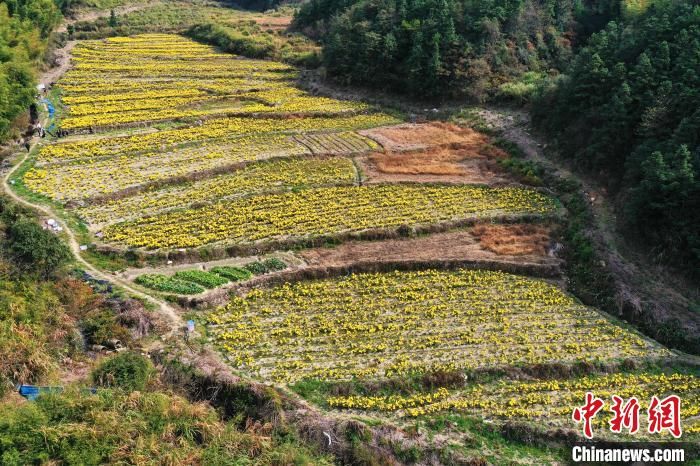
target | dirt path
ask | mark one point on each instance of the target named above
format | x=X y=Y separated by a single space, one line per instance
x=640 y=283
x=164 y=308
x=289 y=258
x=62 y=62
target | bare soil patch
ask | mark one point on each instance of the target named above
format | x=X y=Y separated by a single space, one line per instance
x=513 y=240
x=433 y=152
x=448 y=246
x=414 y=137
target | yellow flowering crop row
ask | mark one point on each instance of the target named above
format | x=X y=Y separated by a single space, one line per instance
x=387 y=403
x=377 y=325
x=92 y=89
x=260 y=177
x=555 y=400
x=325 y=211
x=156 y=57
x=130 y=105
x=302 y=104
x=140 y=94
x=230 y=128
x=535 y=399
x=87 y=178
x=551 y=400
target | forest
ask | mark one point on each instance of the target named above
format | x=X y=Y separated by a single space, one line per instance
x=628 y=110
x=614 y=83
x=448 y=48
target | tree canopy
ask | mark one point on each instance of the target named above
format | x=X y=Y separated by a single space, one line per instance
x=24 y=28
x=628 y=109
x=432 y=48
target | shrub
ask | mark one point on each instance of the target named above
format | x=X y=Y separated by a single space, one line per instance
x=273 y=264
x=113 y=427
x=268 y=265
x=160 y=282
x=233 y=41
x=234 y=274
x=128 y=371
x=521 y=90
x=35 y=249
x=256 y=268
x=205 y=279
x=101 y=325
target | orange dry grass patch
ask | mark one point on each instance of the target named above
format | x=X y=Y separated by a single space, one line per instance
x=422 y=136
x=428 y=134
x=513 y=240
x=438 y=158
x=438 y=161
x=430 y=149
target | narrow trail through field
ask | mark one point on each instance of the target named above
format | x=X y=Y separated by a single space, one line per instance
x=166 y=310
x=62 y=58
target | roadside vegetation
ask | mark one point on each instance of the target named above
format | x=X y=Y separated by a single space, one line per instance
x=24 y=31
x=49 y=321
x=132 y=418
x=47 y=314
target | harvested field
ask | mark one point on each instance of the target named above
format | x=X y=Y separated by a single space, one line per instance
x=449 y=246
x=434 y=166
x=513 y=240
x=433 y=152
x=416 y=137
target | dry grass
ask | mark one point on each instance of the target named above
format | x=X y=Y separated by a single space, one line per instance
x=436 y=161
x=431 y=149
x=513 y=240
x=421 y=136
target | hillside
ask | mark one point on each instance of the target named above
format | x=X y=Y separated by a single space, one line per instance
x=239 y=262
x=628 y=109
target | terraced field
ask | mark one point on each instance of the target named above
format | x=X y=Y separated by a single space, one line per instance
x=381 y=325
x=539 y=401
x=174 y=146
x=324 y=211
x=199 y=179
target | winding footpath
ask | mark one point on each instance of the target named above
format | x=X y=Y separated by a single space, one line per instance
x=166 y=310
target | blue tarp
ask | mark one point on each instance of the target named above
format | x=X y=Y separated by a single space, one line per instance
x=49 y=106
x=51 y=110
x=30 y=392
